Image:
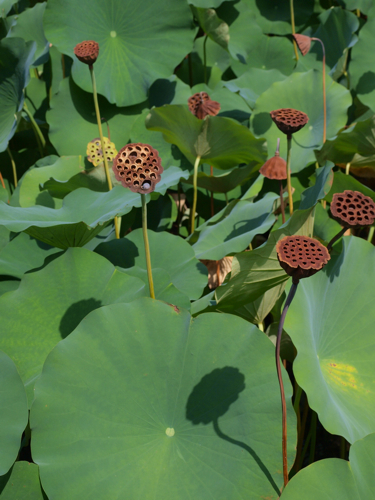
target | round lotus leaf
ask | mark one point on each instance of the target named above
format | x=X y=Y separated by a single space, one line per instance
x=13 y=415
x=133 y=39
x=22 y=482
x=301 y=91
x=338 y=479
x=331 y=324
x=59 y=296
x=168 y=252
x=141 y=400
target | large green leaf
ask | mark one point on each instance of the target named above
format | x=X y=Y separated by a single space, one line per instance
x=73 y=122
x=59 y=296
x=83 y=215
x=13 y=415
x=16 y=57
x=213 y=26
x=23 y=253
x=330 y=322
x=131 y=35
x=255 y=272
x=336 y=479
x=168 y=252
x=143 y=401
x=302 y=91
x=362 y=75
x=274 y=16
x=29 y=26
x=22 y=482
x=251 y=84
x=342 y=182
x=221 y=142
x=233 y=228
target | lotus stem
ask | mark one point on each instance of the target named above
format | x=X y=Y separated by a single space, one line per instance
x=335 y=238
x=2 y=181
x=212 y=194
x=371 y=234
x=195 y=187
x=289 y=173
x=205 y=58
x=98 y=119
x=347 y=168
x=13 y=167
x=313 y=437
x=293 y=28
x=324 y=90
x=147 y=246
x=279 y=375
x=282 y=201
x=38 y=133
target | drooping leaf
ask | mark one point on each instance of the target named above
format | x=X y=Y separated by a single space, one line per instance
x=29 y=26
x=198 y=398
x=323 y=183
x=301 y=91
x=131 y=37
x=330 y=323
x=342 y=182
x=221 y=142
x=213 y=26
x=16 y=57
x=13 y=415
x=233 y=228
x=60 y=296
x=168 y=252
x=82 y=216
x=22 y=482
x=255 y=272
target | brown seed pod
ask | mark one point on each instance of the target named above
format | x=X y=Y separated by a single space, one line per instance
x=353 y=209
x=274 y=168
x=138 y=167
x=289 y=120
x=87 y=52
x=95 y=153
x=303 y=42
x=301 y=256
x=201 y=105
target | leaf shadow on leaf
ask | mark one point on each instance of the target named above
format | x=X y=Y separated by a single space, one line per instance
x=211 y=399
x=304 y=147
x=366 y=83
x=75 y=314
x=261 y=123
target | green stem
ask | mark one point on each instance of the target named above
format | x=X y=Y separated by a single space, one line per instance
x=343 y=448
x=313 y=438
x=371 y=234
x=347 y=168
x=195 y=187
x=147 y=246
x=98 y=119
x=205 y=58
x=13 y=166
x=293 y=28
x=261 y=326
x=335 y=238
x=38 y=133
x=226 y=198
x=289 y=173
x=279 y=375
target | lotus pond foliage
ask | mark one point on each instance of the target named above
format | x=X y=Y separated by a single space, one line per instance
x=177 y=320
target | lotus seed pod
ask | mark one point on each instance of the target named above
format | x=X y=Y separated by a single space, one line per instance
x=201 y=105
x=289 y=120
x=353 y=209
x=274 y=168
x=87 y=52
x=95 y=153
x=138 y=167
x=303 y=42
x=301 y=256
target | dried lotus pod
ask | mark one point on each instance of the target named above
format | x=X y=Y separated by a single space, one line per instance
x=138 y=167
x=303 y=42
x=289 y=120
x=353 y=209
x=301 y=256
x=274 y=168
x=201 y=105
x=87 y=52
x=95 y=153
